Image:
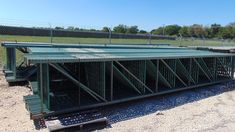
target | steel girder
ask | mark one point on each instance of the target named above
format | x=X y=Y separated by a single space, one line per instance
x=114 y=81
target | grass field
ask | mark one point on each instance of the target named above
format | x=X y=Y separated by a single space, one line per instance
x=184 y=42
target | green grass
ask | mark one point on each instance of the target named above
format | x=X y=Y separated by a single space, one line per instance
x=185 y=42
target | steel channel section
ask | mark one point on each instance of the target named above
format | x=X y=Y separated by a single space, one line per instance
x=11 y=60
x=44 y=87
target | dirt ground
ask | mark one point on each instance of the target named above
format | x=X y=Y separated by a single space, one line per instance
x=213 y=113
x=13 y=115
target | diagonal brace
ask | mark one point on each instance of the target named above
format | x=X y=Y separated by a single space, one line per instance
x=185 y=70
x=155 y=72
x=125 y=78
x=206 y=67
x=173 y=72
x=224 y=67
x=202 y=69
x=134 y=76
x=78 y=83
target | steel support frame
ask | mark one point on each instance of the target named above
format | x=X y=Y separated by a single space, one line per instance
x=44 y=79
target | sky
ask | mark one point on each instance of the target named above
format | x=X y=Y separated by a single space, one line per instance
x=146 y=14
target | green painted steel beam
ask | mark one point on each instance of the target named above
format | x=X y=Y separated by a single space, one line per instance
x=157 y=76
x=11 y=61
x=44 y=85
x=111 y=81
x=232 y=66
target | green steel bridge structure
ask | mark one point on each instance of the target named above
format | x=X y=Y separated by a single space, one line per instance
x=69 y=77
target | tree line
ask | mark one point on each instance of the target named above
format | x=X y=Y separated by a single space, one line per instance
x=198 y=31
x=117 y=29
x=195 y=30
x=43 y=31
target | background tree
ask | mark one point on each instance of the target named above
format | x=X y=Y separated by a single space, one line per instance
x=76 y=29
x=172 y=30
x=70 y=28
x=143 y=32
x=226 y=32
x=120 y=29
x=158 y=31
x=184 y=31
x=59 y=28
x=214 y=30
x=105 y=29
x=196 y=30
x=132 y=30
x=93 y=30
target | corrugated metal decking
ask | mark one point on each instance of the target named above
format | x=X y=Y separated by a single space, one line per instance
x=108 y=54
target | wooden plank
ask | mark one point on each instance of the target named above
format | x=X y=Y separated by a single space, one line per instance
x=56 y=125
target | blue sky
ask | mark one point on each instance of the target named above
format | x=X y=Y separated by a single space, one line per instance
x=147 y=14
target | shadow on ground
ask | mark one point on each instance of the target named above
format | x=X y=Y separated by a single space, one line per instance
x=157 y=104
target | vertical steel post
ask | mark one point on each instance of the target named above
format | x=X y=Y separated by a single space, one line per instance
x=111 y=83
x=8 y=62
x=190 y=71
x=215 y=68
x=44 y=85
x=79 y=89
x=11 y=60
x=41 y=86
x=174 y=71
x=104 y=87
x=232 y=66
x=144 y=78
x=157 y=75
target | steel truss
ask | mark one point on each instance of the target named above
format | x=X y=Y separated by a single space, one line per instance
x=88 y=84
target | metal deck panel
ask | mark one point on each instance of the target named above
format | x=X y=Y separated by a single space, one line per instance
x=104 y=54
